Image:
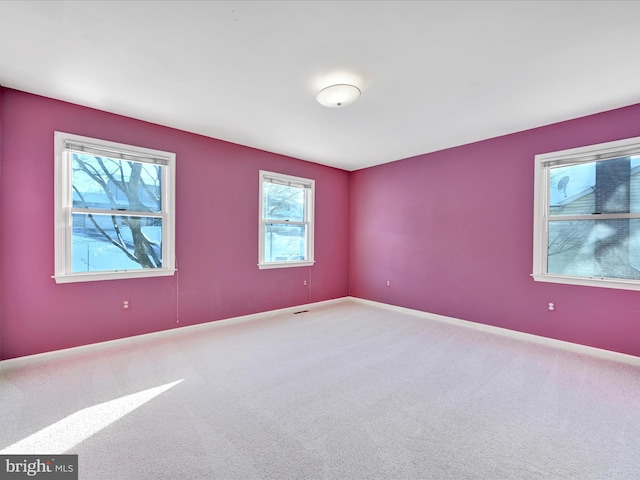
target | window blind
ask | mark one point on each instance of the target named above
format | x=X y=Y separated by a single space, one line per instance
x=117 y=154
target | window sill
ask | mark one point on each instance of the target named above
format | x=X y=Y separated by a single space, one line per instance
x=266 y=266
x=588 y=281
x=118 y=275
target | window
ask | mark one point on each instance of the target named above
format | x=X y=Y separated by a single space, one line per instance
x=114 y=210
x=286 y=221
x=587 y=216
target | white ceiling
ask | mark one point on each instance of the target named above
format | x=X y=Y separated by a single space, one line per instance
x=433 y=74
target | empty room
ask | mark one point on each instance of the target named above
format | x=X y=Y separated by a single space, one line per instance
x=319 y=240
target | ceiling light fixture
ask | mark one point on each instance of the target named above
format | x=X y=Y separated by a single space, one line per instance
x=339 y=95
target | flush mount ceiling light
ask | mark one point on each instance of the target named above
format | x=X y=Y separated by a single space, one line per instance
x=339 y=95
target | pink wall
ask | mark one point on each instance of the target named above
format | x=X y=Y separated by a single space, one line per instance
x=216 y=235
x=1 y=150
x=453 y=231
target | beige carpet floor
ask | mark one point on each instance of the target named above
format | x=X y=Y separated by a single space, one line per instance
x=344 y=391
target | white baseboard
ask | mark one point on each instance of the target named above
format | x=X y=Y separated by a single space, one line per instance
x=529 y=337
x=94 y=347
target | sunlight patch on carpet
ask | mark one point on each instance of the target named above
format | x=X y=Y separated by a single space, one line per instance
x=77 y=427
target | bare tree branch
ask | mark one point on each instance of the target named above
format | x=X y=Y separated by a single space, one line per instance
x=121 y=246
x=143 y=248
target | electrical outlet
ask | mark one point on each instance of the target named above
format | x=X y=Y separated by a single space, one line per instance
x=551 y=306
x=125 y=305
x=388 y=283
x=305 y=283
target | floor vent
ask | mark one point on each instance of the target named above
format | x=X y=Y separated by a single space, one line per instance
x=301 y=311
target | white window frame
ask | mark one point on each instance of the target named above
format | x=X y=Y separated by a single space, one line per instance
x=541 y=209
x=309 y=216
x=64 y=207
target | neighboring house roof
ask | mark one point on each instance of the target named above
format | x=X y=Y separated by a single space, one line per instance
x=587 y=191
x=575 y=197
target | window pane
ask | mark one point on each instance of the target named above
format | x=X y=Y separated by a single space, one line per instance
x=284 y=242
x=282 y=202
x=605 y=186
x=111 y=184
x=115 y=242
x=595 y=248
